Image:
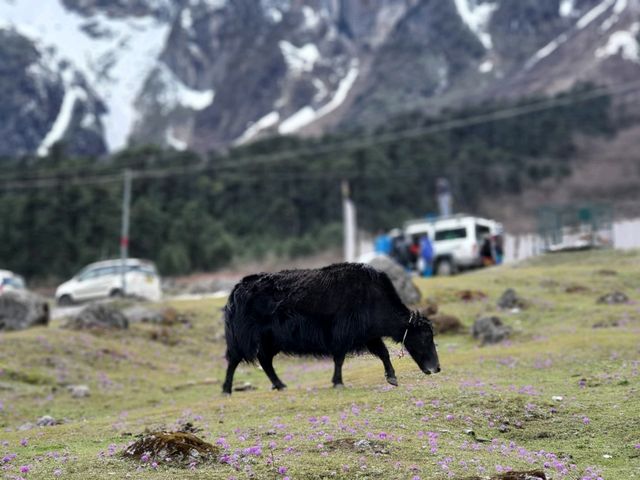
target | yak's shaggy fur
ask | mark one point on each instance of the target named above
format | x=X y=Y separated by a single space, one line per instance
x=336 y=310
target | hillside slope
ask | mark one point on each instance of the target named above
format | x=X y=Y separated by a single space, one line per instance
x=560 y=395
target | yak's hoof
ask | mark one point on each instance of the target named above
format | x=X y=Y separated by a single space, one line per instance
x=338 y=385
x=226 y=394
x=393 y=381
x=281 y=386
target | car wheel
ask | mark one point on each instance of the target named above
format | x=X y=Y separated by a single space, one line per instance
x=116 y=293
x=65 y=301
x=445 y=267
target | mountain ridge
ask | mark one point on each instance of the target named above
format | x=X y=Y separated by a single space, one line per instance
x=210 y=74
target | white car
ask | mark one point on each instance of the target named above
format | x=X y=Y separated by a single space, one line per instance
x=10 y=282
x=456 y=240
x=104 y=279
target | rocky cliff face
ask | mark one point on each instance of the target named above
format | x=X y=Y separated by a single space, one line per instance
x=207 y=74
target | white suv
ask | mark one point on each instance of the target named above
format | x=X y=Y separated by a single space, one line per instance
x=9 y=281
x=104 y=279
x=456 y=240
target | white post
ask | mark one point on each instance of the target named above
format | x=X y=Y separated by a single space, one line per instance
x=124 y=236
x=349 y=220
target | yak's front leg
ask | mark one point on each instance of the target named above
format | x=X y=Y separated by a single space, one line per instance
x=338 y=360
x=266 y=362
x=378 y=348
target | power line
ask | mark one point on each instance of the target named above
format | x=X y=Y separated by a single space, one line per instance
x=56 y=179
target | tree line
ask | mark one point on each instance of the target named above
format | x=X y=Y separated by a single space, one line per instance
x=260 y=199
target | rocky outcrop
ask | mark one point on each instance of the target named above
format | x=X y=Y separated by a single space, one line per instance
x=98 y=316
x=21 y=309
x=490 y=330
x=400 y=278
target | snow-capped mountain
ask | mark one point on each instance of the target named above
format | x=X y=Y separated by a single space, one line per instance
x=206 y=74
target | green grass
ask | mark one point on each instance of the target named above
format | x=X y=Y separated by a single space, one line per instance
x=503 y=393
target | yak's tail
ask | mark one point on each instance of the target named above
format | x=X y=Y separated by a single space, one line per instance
x=241 y=331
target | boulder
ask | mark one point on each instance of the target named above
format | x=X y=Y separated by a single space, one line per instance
x=443 y=323
x=400 y=278
x=79 y=391
x=46 y=421
x=98 y=315
x=22 y=309
x=490 y=330
x=155 y=315
x=613 y=298
x=510 y=300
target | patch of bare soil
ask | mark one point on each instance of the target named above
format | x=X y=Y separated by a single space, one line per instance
x=471 y=295
x=182 y=449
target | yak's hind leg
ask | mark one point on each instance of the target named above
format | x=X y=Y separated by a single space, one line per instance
x=378 y=348
x=265 y=357
x=338 y=360
x=231 y=368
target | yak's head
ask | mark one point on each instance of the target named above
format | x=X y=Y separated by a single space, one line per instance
x=420 y=345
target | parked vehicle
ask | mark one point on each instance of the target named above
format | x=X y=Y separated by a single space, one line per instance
x=104 y=279
x=457 y=240
x=10 y=281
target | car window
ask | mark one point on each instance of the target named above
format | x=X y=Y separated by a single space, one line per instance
x=452 y=234
x=87 y=274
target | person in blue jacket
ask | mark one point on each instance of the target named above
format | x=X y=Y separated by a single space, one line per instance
x=427 y=254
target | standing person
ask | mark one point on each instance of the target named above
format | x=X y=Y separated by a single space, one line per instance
x=400 y=252
x=414 y=253
x=383 y=243
x=427 y=254
x=443 y=194
x=486 y=251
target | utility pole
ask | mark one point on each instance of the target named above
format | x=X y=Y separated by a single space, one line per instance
x=349 y=221
x=124 y=236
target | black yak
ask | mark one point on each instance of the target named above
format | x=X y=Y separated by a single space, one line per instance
x=336 y=310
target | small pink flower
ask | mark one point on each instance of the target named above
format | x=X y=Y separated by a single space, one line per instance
x=586 y=420
x=24 y=442
x=24 y=469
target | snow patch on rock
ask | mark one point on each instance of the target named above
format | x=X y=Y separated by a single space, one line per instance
x=269 y=120
x=623 y=43
x=63 y=120
x=547 y=50
x=176 y=93
x=299 y=59
x=486 y=66
x=477 y=17
x=307 y=115
x=618 y=9
x=175 y=142
x=567 y=8
x=594 y=13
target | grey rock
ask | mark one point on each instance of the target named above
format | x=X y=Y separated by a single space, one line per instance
x=613 y=298
x=79 y=391
x=22 y=309
x=510 y=300
x=25 y=427
x=405 y=287
x=46 y=421
x=490 y=330
x=98 y=315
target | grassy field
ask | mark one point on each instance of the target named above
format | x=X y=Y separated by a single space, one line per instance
x=559 y=395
